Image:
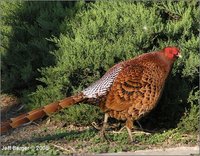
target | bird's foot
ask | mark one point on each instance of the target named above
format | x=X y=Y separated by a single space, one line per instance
x=141 y=132
x=96 y=126
x=120 y=131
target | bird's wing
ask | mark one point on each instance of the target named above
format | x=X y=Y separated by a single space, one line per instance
x=102 y=86
x=137 y=86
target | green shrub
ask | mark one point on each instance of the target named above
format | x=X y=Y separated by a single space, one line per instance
x=106 y=32
x=25 y=27
x=84 y=116
x=190 y=120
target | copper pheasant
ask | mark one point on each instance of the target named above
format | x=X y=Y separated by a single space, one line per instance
x=127 y=91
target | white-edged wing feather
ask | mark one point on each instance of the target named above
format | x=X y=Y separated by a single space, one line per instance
x=102 y=86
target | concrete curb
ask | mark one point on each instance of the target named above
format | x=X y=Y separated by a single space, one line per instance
x=186 y=151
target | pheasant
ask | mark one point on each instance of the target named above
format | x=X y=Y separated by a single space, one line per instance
x=128 y=91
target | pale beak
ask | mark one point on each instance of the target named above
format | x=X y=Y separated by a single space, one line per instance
x=179 y=55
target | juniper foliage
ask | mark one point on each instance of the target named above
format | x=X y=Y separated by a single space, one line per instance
x=25 y=29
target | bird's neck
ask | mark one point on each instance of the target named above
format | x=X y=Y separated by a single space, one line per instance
x=168 y=63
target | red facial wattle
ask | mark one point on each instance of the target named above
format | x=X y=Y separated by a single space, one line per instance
x=172 y=52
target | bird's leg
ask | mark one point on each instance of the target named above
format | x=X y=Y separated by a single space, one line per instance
x=102 y=132
x=139 y=125
x=129 y=126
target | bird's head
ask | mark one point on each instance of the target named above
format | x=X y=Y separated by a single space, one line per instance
x=172 y=52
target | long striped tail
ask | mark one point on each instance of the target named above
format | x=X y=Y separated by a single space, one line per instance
x=40 y=112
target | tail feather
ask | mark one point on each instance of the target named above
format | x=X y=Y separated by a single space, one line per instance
x=40 y=112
